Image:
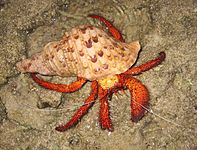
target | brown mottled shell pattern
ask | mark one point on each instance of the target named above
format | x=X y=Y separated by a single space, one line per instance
x=85 y=51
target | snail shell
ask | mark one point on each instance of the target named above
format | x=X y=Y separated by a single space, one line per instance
x=85 y=51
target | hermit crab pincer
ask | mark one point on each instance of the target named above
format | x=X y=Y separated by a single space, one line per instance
x=91 y=54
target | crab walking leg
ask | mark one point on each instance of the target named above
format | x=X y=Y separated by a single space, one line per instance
x=105 y=120
x=113 y=30
x=82 y=110
x=150 y=64
x=139 y=98
x=74 y=86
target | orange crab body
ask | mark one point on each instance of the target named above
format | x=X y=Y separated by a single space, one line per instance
x=91 y=54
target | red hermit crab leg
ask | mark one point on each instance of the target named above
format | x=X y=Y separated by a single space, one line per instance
x=74 y=86
x=82 y=110
x=113 y=30
x=139 y=98
x=105 y=120
x=150 y=64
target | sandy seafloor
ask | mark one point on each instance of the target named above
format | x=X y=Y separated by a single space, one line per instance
x=29 y=113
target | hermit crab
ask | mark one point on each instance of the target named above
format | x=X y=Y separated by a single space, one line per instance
x=92 y=55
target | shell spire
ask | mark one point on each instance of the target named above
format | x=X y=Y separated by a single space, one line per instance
x=85 y=51
x=41 y=62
